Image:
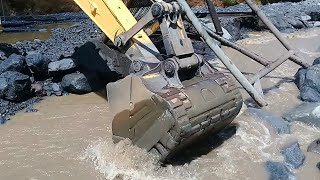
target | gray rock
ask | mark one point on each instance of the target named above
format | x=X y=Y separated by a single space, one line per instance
x=300 y=76
x=3 y=120
x=318 y=165
x=293 y=155
x=306 y=18
x=316 y=24
x=308 y=81
x=309 y=94
x=62 y=67
x=314 y=146
x=13 y=63
x=279 y=171
x=308 y=113
x=295 y=23
x=316 y=61
x=38 y=64
x=276 y=122
x=2 y=56
x=76 y=83
x=57 y=89
x=18 y=86
x=3 y=86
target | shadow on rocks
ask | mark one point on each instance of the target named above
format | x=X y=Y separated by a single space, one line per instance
x=203 y=146
x=97 y=67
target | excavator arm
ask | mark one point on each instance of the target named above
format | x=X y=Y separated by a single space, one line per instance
x=168 y=100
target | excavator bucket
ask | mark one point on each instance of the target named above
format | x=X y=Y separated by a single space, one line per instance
x=165 y=120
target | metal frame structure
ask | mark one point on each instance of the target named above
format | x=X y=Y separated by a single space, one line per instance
x=251 y=85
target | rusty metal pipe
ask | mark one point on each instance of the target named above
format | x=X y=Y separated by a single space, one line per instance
x=296 y=59
x=214 y=17
x=271 y=67
x=220 y=54
x=235 y=46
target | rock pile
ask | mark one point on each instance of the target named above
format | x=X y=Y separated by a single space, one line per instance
x=294 y=157
x=26 y=77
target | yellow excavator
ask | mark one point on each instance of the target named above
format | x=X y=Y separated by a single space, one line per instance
x=165 y=101
x=168 y=98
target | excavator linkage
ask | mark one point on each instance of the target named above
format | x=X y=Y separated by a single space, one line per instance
x=171 y=96
x=165 y=102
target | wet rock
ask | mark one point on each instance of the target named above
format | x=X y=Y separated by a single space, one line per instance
x=316 y=61
x=8 y=109
x=233 y=26
x=314 y=146
x=279 y=171
x=316 y=24
x=13 y=63
x=276 y=122
x=308 y=113
x=295 y=23
x=17 y=88
x=308 y=81
x=8 y=49
x=2 y=120
x=305 y=18
x=38 y=64
x=76 y=83
x=57 y=89
x=30 y=109
x=2 y=56
x=300 y=76
x=62 y=67
x=293 y=155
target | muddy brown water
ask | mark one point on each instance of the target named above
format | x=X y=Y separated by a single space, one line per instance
x=70 y=137
x=30 y=36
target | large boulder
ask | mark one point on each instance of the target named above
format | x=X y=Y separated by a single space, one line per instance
x=62 y=67
x=308 y=113
x=314 y=146
x=308 y=81
x=38 y=64
x=13 y=63
x=276 y=122
x=293 y=155
x=76 y=83
x=14 y=86
x=279 y=171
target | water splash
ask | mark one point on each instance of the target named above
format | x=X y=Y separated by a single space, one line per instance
x=124 y=161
